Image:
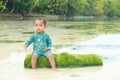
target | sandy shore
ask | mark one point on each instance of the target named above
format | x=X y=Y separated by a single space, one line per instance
x=7 y=49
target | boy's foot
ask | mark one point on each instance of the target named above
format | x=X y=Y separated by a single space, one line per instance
x=54 y=69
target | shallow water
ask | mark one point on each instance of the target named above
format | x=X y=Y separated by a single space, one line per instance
x=12 y=69
x=108 y=47
x=100 y=40
x=12 y=66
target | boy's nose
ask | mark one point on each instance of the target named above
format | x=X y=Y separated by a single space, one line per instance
x=38 y=27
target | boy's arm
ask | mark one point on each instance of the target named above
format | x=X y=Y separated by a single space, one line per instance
x=25 y=47
x=49 y=44
x=28 y=42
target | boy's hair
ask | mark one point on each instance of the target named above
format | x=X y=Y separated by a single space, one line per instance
x=44 y=21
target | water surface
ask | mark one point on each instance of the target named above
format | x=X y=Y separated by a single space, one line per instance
x=83 y=37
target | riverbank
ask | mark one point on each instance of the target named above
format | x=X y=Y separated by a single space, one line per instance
x=17 y=16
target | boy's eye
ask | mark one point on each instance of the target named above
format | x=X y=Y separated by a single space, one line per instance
x=38 y=25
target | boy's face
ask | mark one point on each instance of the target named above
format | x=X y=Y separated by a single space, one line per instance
x=39 y=26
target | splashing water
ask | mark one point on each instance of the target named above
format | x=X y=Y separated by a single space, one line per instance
x=107 y=46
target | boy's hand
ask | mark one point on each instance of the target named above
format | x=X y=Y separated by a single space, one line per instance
x=25 y=48
x=45 y=49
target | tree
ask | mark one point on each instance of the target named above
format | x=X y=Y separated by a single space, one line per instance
x=98 y=9
x=61 y=7
x=52 y=6
x=110 y=8
x=68 y=8
x=118 y=8
x=1 y=5
x=42 y=7
x=4 y=6
x=75 y=7
x=89 y=7
x=14 y=5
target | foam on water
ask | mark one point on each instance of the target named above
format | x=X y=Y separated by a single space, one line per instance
x=107 y=46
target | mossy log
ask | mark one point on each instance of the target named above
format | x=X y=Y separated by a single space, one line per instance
x=66 y=60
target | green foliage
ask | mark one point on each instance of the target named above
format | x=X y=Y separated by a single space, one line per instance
x=27 y=61
x=81 y=26
x=66 y=60
x=10 y=41
x=58 y=7
x=43 y=62
x=74 y=7
x=89 y=7
x=111 y=7
x=67 y=8
x=99 y=7
x=1 y=5
x=28 y=32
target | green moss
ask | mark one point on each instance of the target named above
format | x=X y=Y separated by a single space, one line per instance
x=27 y=61
x=66 y=60
x=28 y=32
x=10 y=41
x=43 y=62
x=81 y=26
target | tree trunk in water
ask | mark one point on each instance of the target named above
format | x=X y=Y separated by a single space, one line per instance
x=13 y=7
x=30 y=10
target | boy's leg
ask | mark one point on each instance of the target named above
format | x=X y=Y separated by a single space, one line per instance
x=52 y=61
x=34 y=60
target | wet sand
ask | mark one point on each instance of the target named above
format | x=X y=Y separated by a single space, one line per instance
x=7 y=49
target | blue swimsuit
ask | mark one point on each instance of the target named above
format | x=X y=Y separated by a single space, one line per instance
x=40 y=41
